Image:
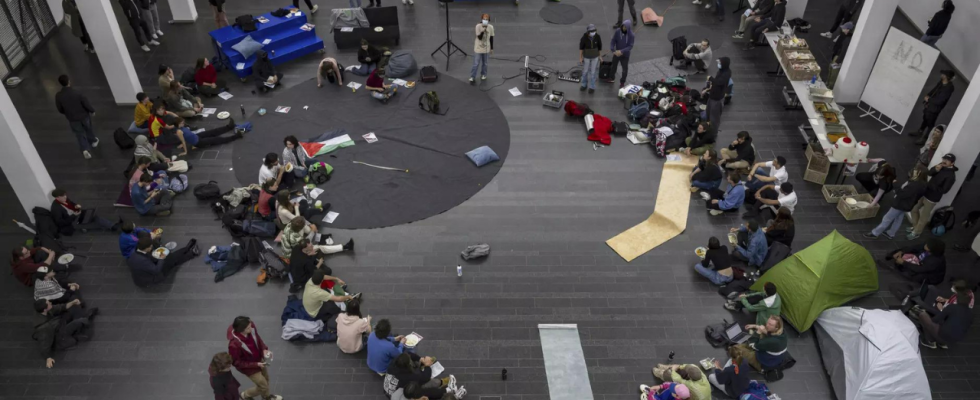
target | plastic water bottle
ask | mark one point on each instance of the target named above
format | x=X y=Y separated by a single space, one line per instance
x=459 y=270
x=503 y=374
x=813 y=80
x=243 y=111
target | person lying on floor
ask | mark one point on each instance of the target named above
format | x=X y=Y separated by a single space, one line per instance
x=47 y=287
x=718 y=202
x=376 y=85
x=330 y=69
x=764 y=304
x=325 y=304
x=148 y=270
x=688 y=375
x=751 y=247
x=767 y=344
x=707 y=174
x=68 y=215
x=130 y=236
x=61 y=327
x=25 y=262
x=146 y=202
x=207 y=138
x=921 y=263
x=717 y=263
x=739 y=154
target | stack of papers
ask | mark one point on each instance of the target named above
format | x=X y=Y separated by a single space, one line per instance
x=399 y=82
x=225 y=95
x=330 y=217
x=515 y=91
x=207 y=112
x=262 y=20
x=370 y=138
x=307 y=27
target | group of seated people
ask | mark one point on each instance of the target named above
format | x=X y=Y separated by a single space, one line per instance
x=63 y=318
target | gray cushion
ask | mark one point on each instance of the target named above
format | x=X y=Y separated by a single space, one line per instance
x=482 y=155
x=401 y=64
x=247 y=47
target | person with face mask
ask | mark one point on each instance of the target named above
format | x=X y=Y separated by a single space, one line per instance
x=622 y=43
x=482 y=48
x=716 y=90
x=589 y=53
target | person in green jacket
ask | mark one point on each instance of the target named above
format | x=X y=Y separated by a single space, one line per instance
x=765 y=303
x=688 y=375
x=767 y=346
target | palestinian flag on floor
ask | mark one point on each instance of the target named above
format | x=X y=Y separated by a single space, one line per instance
x=326 y=143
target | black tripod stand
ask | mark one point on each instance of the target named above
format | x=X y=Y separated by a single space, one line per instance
x=450 y=47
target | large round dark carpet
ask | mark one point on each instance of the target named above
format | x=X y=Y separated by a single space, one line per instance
x=695 y=33
x=562 y=14
x=431 y=147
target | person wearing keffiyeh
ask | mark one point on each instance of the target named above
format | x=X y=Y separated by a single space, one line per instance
x=65 y=214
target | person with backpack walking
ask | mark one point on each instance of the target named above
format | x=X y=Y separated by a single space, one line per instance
x=938 y=24
x=941 y=179
x=251 y=357
x=589 y=55
x=482 y=48
x=77 y=109
x=621 y=44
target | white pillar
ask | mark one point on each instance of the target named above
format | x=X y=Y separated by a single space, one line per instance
x=961 y=137
x=103 y=28
x=57 y=11
x=869 y=34
x=795 y=9
x=19 y=160
x=183 y=10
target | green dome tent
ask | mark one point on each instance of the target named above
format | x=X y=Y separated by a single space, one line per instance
x=828 y=274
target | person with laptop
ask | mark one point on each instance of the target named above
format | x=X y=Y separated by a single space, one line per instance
x=68 y=215
x=733 y=378
x=766 y=345
x=764 y=304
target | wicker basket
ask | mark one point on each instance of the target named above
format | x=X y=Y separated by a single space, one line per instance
x=853 y=213
x=787 y=44
x=817 y=169
x=849 y=190
x=786 y=60
x=815 y=177
x=802 y=70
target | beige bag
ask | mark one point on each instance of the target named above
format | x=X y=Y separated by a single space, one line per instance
x=179 y=166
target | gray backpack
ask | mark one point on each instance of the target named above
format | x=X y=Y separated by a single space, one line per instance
x=476 y=251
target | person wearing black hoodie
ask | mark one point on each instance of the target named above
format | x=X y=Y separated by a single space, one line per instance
x=938 y=24
x=928 y=266
x=265 y=72
x=702 y=140
x=368 y=56
x=410 y=367
x=716 y=90
x=936 y=100
x=846 y=11
x=941 y=180
x=764 y=23
x=740 y=154
x=906 y=197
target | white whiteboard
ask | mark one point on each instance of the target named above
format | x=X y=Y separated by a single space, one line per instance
x=900 y=72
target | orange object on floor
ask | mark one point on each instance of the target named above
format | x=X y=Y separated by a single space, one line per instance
x=650 y=17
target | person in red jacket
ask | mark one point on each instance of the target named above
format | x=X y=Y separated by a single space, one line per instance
x=25 y=263
x=206 y=78
x=250 y=356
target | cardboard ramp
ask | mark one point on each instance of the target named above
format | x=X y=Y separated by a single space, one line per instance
x=669 y=217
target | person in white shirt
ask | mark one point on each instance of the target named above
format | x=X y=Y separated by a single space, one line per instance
x=759 y=177
x=772 y=197
x=271 y=170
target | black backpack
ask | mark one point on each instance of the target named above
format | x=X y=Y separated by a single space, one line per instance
x=207 y=191
x=715 y=334
x=429 y=102
x=678 y=45
x=253 y=250
x=945 y=217
x=428 y=74
x=246 y=23
x=123 y=140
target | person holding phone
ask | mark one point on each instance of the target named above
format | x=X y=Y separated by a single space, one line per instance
x=251 y=357
x=156 y=202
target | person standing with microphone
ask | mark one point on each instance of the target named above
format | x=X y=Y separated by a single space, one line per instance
x=482 y=48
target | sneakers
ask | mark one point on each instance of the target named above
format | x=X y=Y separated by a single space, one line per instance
x=943 y=346
x=910 y=229
x=146 y=49
x=912 y=236
x=924 y=343
x=86 y=154
x=730 y=306
x=644 y=389
x=483 y=78
x=451 y=386
x=95 y=143
x=275 y=397
x=154 y=36
x=591 y=91
x=870 y=235
x=698 y=2
x=716 y=212
x=738 y=35
x=707 y=6
x=160 y=33
x=472 y=80
x=154 y=42
x=315 y=7
x=349 y=246
x=461 y=392
x=705 y=196
x=827 y=35
x=694 y=189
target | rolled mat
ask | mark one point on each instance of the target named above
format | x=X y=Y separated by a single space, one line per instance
x=669 y=217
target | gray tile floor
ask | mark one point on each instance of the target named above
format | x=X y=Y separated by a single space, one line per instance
x=547 y=215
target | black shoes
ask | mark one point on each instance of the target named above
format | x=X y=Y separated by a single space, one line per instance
x=349 y=246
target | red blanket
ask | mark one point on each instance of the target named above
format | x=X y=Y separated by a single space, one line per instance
x=600 y=130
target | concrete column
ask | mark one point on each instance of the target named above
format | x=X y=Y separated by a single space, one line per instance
x=183 y=10
x=103 y=28
x=961 y=137
x=795 y=9
x=869 y=34
x=19 y=160
x=56 y=10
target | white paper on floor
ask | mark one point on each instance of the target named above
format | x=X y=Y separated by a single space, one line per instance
x=564 y=362
x=515 y=91
x=330 y=217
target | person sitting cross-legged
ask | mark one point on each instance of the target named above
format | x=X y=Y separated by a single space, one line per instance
x=764 y=304
x=376 y=85
x=702 y=140
x=324 y=304
x=707 y=174
x=410 y=368
x=753 y=249
x=688 y=375
x=156 y=202
x=382 y=348
x=148 y=270
x=306 y=258
x=732 y=378
x=769 y=197
x=718 y=201
x=352 y=328
x=767 y=344
x=739 y=154
x=719 y=261
x=951 y=325
x=181 y=101
x=266 y=75
x=141 y=115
